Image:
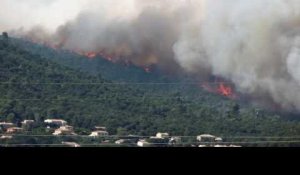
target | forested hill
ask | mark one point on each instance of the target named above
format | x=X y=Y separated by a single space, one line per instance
x=120 y=71
x=33 y=87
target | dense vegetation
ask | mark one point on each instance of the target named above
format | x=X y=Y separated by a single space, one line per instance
x=121 y=71
x=32 y=87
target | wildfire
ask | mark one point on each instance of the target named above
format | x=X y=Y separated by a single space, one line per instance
x=225 y=90
x=87 y=54
x=107 y=57
x=91 y=55
x=220 y=89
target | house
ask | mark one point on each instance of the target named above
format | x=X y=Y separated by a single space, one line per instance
x=202 y=146
x=125 y=141
x=235 y=146
x=119 y=142
x=56 y=122
x=175 y=140
x=162 y=135
x=5 y=125
x=27 y=124
x=206 y=138
x=71 y=144
x=14 y=130
x=143 y=143
x=220 y=146
x=64 y=130
x=99 y=134
x=218 y=139
x=3 y=137
x=100 y=128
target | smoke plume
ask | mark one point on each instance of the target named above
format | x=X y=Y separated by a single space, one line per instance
x=255 y=44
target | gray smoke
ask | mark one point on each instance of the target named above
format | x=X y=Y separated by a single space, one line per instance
x=255 y=44
x=145 y=35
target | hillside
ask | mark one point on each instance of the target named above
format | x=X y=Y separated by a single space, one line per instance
x=33 y=87
x=98 y=65
x=119 y=71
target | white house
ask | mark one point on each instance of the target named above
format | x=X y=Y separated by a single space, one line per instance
x=27 y=122
x=14 y=130
x=119 y=142
x=143 y=143
x=206 y=137
x=5 y=125
x=58 y=122
x=218 y=139
x=202 y=146
x=162 y=135
x=6 y=137
x=175 y=140
x=220 y=146
x=235 y=146
x=71 y=144
x=99 y=134
x=64 y=130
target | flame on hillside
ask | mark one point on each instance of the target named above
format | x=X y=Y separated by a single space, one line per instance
x=220 y=88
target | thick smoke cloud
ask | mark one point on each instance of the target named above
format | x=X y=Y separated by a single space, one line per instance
x=145 y=35
x=255 y=44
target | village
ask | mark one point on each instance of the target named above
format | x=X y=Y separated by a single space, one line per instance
x=60 y=127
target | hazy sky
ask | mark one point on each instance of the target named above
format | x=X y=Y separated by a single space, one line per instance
x=49 y=13
x=52 y=13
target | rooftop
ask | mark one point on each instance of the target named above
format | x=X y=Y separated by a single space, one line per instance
x=207 y=136
x=5 y=123
x=54 y=120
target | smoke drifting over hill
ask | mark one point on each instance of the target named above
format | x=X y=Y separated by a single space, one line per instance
x=255 y=44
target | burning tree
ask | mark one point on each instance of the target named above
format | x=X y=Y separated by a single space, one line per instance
x=220 y=88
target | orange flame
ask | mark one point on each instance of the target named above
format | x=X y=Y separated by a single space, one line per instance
x=225 y=90
x=221 y=89
x=87 y=54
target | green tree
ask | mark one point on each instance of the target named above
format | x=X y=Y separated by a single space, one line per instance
x=11 y=117
x=122 y=131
